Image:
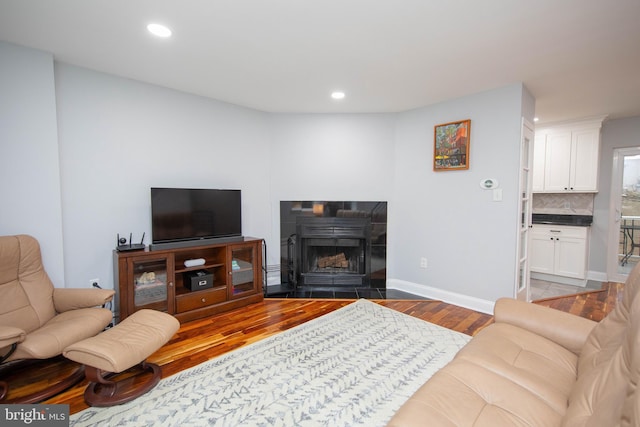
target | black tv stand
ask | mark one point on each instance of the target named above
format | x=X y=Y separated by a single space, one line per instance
x=195 y=242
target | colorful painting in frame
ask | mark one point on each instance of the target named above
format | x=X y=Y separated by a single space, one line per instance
x=451 y=146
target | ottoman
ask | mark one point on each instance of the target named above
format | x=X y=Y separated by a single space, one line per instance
x=117 y=349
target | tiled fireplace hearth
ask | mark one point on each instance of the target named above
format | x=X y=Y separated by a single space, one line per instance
x=333 y=244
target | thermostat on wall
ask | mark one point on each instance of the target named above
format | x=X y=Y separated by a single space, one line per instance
x=489 y=183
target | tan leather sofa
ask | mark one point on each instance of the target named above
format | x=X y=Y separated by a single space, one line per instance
x=536 y=366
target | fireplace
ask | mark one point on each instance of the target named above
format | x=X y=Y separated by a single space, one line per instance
x=333 y=245
x=332 y=252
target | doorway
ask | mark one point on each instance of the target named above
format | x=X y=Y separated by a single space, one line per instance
x=522 y=291
x=624 y=218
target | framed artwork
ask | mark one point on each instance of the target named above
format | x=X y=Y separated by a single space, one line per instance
x=451 y=146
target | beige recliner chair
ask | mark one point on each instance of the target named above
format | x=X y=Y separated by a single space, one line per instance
x=38 y=321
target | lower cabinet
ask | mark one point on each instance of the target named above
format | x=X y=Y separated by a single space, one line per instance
x=559 y=250
x=229 y=276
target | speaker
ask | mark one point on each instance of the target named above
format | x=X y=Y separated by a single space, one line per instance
x=194 y=262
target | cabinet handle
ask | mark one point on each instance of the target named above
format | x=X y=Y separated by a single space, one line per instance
x=557 y=238
x=204 y=300
x=171 y=284
x=551 y=238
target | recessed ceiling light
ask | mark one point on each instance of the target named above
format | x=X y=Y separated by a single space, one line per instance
x=535 y=119
x=159 y=30
x=337 y=95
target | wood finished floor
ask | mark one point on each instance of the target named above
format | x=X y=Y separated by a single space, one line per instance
x=201 y=340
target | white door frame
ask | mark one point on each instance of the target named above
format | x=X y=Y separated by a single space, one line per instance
x=615 y=212
x=523 y=275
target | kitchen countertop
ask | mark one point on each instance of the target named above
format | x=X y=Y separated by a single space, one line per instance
x=563 y=219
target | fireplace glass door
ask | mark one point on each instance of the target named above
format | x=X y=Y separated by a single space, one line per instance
x=333 y=261
x=333 y=252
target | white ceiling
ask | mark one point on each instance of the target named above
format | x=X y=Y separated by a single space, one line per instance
x=579 y=58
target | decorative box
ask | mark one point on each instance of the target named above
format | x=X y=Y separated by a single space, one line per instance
x=196 y=280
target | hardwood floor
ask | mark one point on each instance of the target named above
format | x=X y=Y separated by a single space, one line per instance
x=594 y=305
x=201 y=340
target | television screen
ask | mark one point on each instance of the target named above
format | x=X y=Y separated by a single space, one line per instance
x=179 y=214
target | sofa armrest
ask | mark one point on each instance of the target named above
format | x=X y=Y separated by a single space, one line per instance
x=11 y=335
x=65 y=299
x=566 y=329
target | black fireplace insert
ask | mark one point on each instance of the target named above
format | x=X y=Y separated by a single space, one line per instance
x=332 y=252
x=334 y=245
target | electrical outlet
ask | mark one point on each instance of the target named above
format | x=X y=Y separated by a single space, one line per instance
x=423 y=262
x=94 y=283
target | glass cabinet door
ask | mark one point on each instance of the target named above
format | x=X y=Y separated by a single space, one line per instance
x=243 y=270
x=152 y=285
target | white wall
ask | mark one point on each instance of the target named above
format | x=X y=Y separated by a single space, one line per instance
x=329 y=157
x=332 y=157
x=120 y=137
x=29 y=171
x=619 y=133
x=468 y=239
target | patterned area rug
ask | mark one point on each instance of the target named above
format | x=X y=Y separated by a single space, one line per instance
x=353 y=366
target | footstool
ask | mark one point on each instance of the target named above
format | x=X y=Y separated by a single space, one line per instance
x=117 y=349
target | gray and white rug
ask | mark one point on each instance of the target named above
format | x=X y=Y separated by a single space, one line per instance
x=352 y=367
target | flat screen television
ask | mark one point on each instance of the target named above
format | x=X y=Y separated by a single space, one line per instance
x=188 y=214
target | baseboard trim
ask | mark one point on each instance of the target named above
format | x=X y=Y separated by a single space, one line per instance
x=273 y=281
x=598 y=276
x=560 y=279
x=273 y=275
x=460 y=300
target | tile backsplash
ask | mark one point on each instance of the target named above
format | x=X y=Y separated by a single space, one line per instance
x=563 y=203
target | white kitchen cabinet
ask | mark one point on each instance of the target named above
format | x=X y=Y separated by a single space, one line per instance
x=559 y=250
x=537 y=175
x=557 y=162
x=542 y=252
x=566 y=158
x=585 y=158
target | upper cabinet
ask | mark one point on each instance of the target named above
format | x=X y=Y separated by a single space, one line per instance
x=566 y=158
